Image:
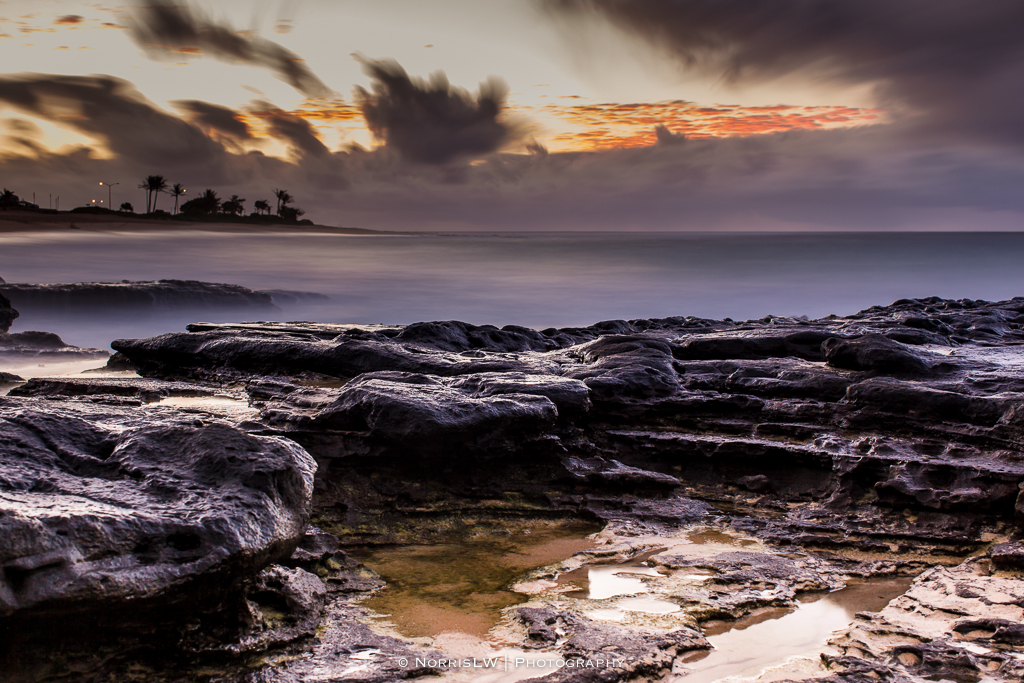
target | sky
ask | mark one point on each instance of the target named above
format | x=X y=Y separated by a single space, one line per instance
x=636 y=115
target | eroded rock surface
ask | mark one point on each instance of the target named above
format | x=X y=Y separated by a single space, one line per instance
x=912 y=406
x=962 y=623
x=888 y=442
x=83 y=385
x=120 y=518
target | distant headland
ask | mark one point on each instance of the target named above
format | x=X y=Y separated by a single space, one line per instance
x=206 y=212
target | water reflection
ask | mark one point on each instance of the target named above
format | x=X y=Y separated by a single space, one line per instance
x=748 y=646
x=463 y=586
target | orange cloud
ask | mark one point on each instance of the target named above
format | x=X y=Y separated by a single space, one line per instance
x=323 y=115
x=608 y=126
x=70 y=19
x=329 y=111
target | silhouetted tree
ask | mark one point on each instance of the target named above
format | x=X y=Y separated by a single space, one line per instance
x=233 y=205
x=203 y=205
x=262 y=206
x=153 y=185
x=127 y=207
x=291 y=213
x=283 y=199
x=9 y=200
x=176 y=192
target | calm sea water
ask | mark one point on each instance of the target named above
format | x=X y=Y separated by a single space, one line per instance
x=527 y=279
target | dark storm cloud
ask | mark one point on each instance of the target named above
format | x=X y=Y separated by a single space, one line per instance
x=956 y=65
x=163 y=27
x=213 y=116
x=431 y=121
x=296 y=131
x=112 y=110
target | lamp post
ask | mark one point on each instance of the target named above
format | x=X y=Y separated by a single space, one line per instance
x=109 y=185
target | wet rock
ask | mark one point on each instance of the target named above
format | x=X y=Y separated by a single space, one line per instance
x=143 y=389
x=118 y=362
x=874 y=353
x=348 y=649
x=596 y=651
x=637 y=515
x=44 y=345
x=9 y=378
x=783 y=379
x=758 y=483
x=599 y=470
x=285 y=605
x=88 y=298
x=456 y=336
x=7 y=313
x=990 y=631
x=923 y=403
x=257 y=352
x=745 y=582
x=320 y=554
x=486 y=413
x=804 y=344
x=939 y=627
x=129 y=517
x=618 y=368
x=1008 y=555
x=570 y=396
x=884 y=447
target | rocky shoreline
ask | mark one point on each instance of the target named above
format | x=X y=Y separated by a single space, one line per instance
x=888 y=442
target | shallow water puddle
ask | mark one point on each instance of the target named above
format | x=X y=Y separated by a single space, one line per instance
x=609 y=582
x=31 y=368
x=220 y=406
x=749 y=646
x=463 y=586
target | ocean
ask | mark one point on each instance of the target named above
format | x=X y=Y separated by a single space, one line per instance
x=540 y=281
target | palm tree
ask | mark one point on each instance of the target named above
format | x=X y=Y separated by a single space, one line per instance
x=9 y=200
x=205 y=204
x=153 y=185
x=283 y=199
x=262 y=205
x=233 y=205
x=176 y=192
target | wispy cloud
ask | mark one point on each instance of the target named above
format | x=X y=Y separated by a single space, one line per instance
x=163 y=28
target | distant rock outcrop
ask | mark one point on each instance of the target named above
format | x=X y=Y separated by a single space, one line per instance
x=44 y=345
x=7 y=312
x=127 y=296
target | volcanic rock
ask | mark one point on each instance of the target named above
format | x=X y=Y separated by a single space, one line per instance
x=874 y=353
x=134 y=516
x=428 y=412
x=135 y=387
x=88 y=298
x=7 y=312
x=44 y=345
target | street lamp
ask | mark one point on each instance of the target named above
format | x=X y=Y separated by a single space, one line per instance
x=109 y=185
